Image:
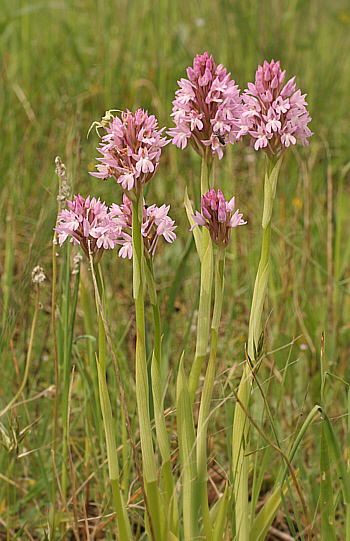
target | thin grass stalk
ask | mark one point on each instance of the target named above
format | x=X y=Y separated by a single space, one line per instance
x=126 y=464
x=54 y=336
x=326 y=489
x=66 y=363
x=288 y=466
x=124 y=528
x=87 y=305
x=326 y=495
x=63 y=499
x=8 y=264
x=257 y=484
x=28 y=358
x=71 y=465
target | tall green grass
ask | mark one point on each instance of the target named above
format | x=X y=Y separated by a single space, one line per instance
x=62 y=66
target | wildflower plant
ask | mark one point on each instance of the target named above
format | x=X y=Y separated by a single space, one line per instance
x=209 y=113
x=274 y=117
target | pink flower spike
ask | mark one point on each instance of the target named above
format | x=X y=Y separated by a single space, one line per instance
x=217 y=216
x=88 y=223
x=274 y=115
x=207 y=103
x=156 y=223
x=131 y=150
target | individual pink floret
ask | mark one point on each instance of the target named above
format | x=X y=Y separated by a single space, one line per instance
x=218 y=216
x=207 y=108
x=275 y=116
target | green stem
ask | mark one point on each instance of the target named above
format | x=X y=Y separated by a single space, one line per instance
x=151 y=285
x=240 y=424
x=261 y=280
x=188 y=463
x=201 y=449
x=101 y=330
x=219 y=292
x=207 y=394
x=168 y=497
x=259 y=293
x=239 y=458
x=203 y=324
x=66 y=365
x=142 y=391
x=206 y=167
x=137 y=248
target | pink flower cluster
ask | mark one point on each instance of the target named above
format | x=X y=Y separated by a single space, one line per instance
x=218 y=216
x=207 y=107
x=91 y=222
x=274 y=115
x=87 y=222
x=131 y=150
x=156 y=223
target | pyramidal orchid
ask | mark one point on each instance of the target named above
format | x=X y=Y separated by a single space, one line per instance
x=218 y=216
x=87 y=222
x=207 y=108
x=274 y=115
x=131 y=150
x=156 y=223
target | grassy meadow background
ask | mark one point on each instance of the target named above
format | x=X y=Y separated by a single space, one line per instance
x=62 y=65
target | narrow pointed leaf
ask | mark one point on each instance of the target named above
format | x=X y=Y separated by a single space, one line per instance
x=267 y=514
x=186 y=437
x=337 y=457
x=218 y=533
x=196 y=231
x=326 y=498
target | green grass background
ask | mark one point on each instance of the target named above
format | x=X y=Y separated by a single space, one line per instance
x=62 y=65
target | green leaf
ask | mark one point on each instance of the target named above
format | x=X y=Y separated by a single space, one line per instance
x=326 y=498
x=270 y=192
x=336 y=455
x=142 y=396
x=205 y=301
x=186 y=435
x=122 y=517
x=151 y=285
x=267 y=514
x=218 y=532
x=203 y=419
x=196 y=231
